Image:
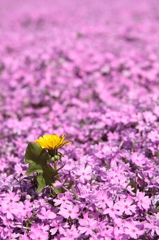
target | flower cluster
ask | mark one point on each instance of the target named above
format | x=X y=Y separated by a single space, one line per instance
x=89 y=69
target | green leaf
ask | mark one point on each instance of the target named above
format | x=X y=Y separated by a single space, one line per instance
x=49 y=174
x=46 y=178
x=44 y=157
x=58 y=190
x=41 y=182
x=34 y=153
x=33 y=167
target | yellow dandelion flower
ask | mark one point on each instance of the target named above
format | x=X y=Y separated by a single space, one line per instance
x=52 y=142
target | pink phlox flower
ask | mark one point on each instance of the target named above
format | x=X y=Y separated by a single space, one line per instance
x=153 y=136
x=125 y=206
x=128 y=227
x=99 y=154
x=117 y=166
x=23 y=209
x=70 y=234
x=143 y=202
x=85 y=190
x=24 y=237
x=119 y=225
x=95 y=236
x=149 y=116
x=141 y=126
x=39 y=232
x=152 y=227
x=17 y=209
x=11 y=197
x=14 y=236
x=113 y=209
x=118 y=233
x=117 y=178
x=69 y=164
x=46 y=214
x=84 y=173
x=152 y=224
x=8 y=222
x=7 y=209
x=69 y=210
x=101 y=199
x=132 y=230
x=117 y=174
x=155 y=198
x=156 y=110
x=138 y=159
x=113 y=136
x=5 y=232
x=87 y=225
x=108 y=150
x=63 y=200
x=156 y=229
x=58 y=225
x=19 y=168
x=106 y=233
x=39 y=203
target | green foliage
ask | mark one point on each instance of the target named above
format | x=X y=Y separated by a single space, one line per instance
x=41 y=182
x=33 y=167
x=35 y=153
x=39 y=159
x=58 y=190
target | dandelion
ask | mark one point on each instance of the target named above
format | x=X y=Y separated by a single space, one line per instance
x=52 y=142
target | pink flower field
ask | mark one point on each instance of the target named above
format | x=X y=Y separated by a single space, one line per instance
x=88 y=69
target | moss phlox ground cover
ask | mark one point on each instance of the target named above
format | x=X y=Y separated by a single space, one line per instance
x=87 y=70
